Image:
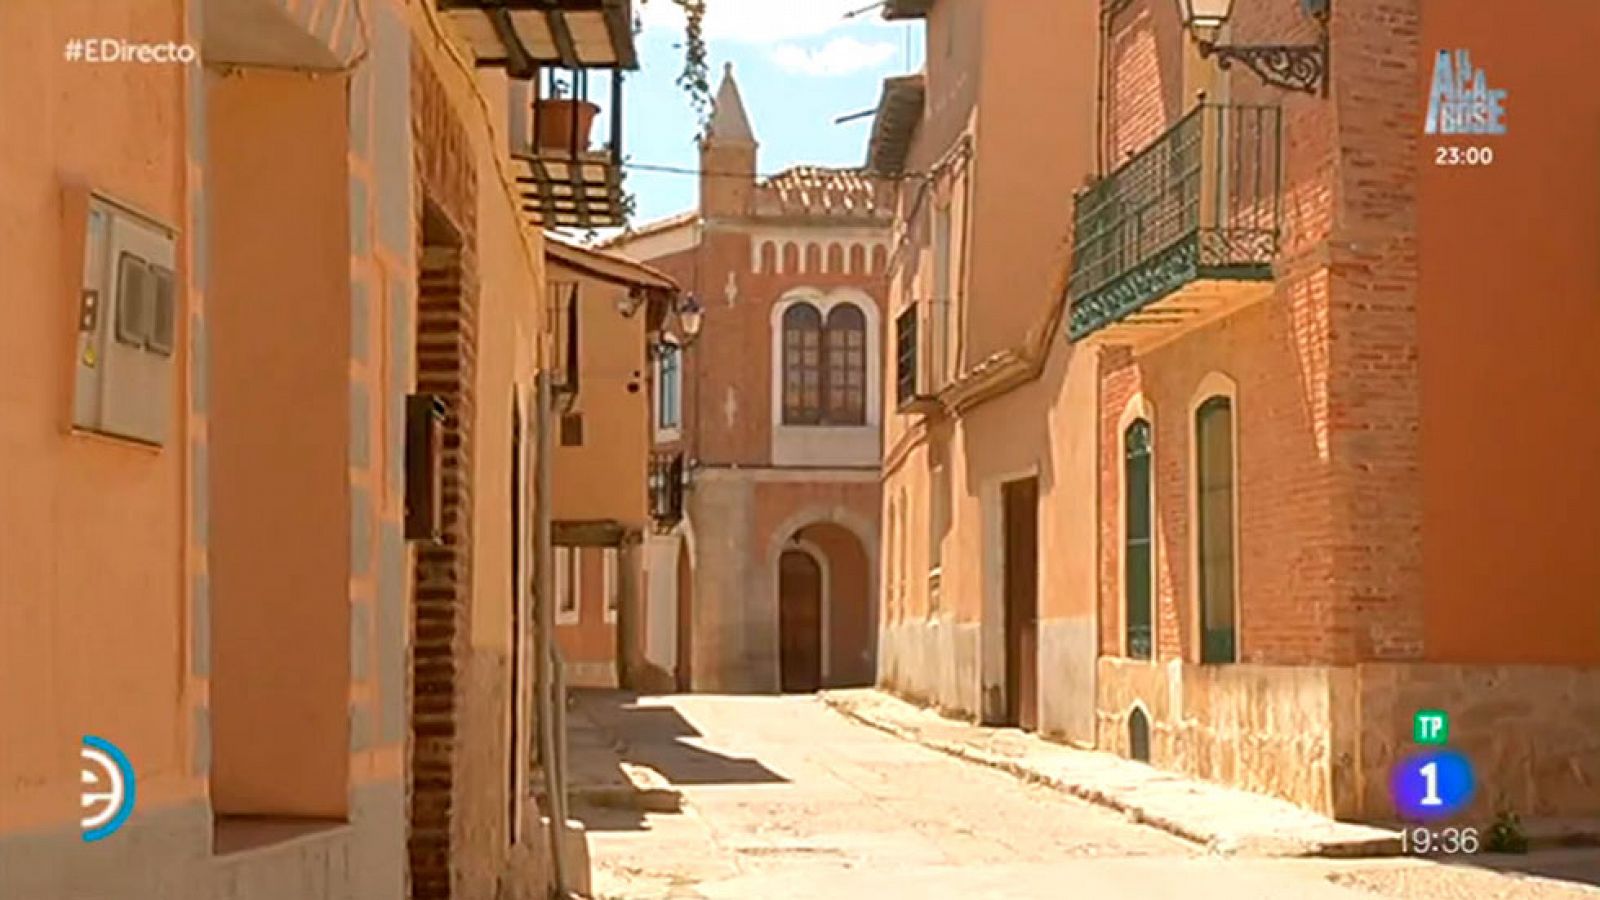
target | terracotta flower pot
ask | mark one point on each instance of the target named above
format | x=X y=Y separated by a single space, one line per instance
x=559 y=119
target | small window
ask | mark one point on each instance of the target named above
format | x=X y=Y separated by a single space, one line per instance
x=669 y=386
x=134 y=290
x=1138 y=735
x=572 y=430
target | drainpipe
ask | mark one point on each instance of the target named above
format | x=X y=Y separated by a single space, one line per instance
x=550 y=698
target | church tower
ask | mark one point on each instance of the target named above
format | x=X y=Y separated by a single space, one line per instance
x=727 y=155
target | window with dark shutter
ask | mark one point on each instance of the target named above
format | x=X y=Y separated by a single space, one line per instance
x=1138 y=547
x=1214 y=464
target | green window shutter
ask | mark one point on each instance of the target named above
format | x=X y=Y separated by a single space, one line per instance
x=1214 y=464
x=1138 y=547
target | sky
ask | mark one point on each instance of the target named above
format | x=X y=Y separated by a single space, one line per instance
x=800 y=64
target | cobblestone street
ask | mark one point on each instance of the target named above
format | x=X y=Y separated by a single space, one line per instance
x=786 y=798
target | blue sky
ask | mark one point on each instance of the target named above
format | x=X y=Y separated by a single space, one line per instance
x=800 y=64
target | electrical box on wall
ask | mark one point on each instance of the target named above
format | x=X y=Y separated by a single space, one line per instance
x=128 y=308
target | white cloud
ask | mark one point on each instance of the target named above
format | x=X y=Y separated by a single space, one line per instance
x=840 y=56
x=762 y=21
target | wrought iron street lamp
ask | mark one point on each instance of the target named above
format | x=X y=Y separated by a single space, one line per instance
x=1295 y=67
x=690 y=319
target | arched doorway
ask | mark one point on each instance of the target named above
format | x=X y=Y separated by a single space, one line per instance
x=800 y=587
x=684 y=673
x=826 y=608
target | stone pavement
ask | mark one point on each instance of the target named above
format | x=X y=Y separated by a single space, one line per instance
x=598 y=770
x=785 y=799
x=1222 y=819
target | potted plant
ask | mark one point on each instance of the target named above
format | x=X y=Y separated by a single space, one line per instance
x=563 y=122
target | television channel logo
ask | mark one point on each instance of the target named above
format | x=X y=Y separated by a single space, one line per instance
x=109 y=788
x=1460 y=100
x=1436 y=782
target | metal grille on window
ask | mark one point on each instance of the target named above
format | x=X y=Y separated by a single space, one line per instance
x=847 y=366
x=802 y=365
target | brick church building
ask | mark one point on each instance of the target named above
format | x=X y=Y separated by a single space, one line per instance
x=761 y=573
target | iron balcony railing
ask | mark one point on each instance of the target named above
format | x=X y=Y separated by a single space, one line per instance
x=1201 y=202
x=667 y=481
x=922 y=358
x=568 y=171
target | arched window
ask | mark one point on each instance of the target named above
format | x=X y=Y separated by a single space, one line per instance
x=802 y=364
x=769 y=257
x=846 y=402
x=835 y=258
x=858 y=259
x=791 y=257
x=1214 y=526
x=1138 y=546
x=813 y=258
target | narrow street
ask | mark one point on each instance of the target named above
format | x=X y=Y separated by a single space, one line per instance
x=786 y=798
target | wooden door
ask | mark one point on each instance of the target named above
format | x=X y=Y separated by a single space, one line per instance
x=1021 y=505
x=799 y=622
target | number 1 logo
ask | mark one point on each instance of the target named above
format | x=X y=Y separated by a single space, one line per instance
x=1432 y=785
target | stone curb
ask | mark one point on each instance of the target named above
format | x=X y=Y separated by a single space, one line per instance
x=1212 y=841
x=646 y=791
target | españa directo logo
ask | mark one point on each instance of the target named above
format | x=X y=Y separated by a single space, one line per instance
x=109 y=788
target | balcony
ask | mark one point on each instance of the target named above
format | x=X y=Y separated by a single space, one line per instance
x=523 y=35
x=1183 y=233
x=668 y=477
x=921 y=333
x=564 y=178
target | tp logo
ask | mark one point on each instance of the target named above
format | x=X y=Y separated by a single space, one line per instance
x=109 y=788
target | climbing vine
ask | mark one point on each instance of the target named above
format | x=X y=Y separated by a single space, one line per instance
x=695 y=78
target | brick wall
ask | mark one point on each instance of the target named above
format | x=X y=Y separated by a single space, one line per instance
x=727 y=401
x=1146 y=78
x=446 y=341
x=1326 y=368
x=1373 y=390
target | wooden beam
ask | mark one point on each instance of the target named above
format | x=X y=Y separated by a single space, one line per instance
x=620 y=27
x=518 y=63
x=606 y=533
x=561 y=33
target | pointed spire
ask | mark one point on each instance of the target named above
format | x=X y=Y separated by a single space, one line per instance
x=729 y=123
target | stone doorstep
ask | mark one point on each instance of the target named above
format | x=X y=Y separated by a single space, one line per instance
x=1281 y=830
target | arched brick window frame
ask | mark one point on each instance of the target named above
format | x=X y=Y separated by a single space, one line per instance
x=848 y=358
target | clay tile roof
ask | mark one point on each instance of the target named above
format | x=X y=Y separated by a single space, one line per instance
x=819 y=190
